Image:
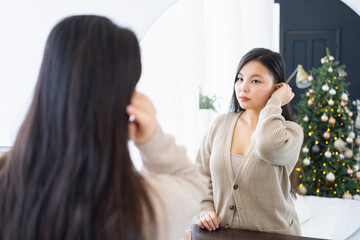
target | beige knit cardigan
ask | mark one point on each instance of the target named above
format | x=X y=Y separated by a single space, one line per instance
x=175 y=186
x=260 y=191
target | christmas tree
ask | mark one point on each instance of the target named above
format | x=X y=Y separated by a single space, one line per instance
x=329 y=165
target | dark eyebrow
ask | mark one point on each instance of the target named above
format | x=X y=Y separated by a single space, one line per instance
x=254 y=75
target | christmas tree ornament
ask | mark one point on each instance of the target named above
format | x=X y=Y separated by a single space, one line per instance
x=356 y=197
x=356 y=167
x=357 y=175
x=350 y=114
x=310 y=78
x=306 y=118
x=331 y=102
x=347 y=196
x=349 y=140
x=357 y=105
x=306 y=161
x=342 y=73
x=331 y=58
x=342 y=103
x=305 y=150
x=308 y=94
x=326 y=135
x=323 y=60
x=327 y=154
x=341 y=156
x=330 y=177
x=310 y=102
x=330 y=69
x=348 y=153
x=332 y=120
x=351 y=134
x=339 y=144
x=350 y=171
x=315 y=149
x=311 y=91
x=303 y=190
x=325 y=87
x=344 y=97
x=332 y=91
x=324 y=117
x=357 y=141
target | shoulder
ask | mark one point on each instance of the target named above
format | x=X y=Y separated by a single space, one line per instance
x=295 y=127
x=224 y=119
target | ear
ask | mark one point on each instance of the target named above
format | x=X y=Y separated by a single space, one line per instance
x=277 y=86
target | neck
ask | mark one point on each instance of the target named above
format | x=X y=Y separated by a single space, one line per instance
x=251 y=116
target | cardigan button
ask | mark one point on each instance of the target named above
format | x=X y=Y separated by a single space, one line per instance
x=236 y=186
x=227 y=226
x=231 y=207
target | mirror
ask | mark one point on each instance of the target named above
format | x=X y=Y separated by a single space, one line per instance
x=193 y=44
x=207 y=39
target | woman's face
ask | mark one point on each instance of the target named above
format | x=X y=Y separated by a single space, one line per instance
x=254 y=86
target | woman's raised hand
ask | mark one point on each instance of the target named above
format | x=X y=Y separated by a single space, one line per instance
x=284 y=93
x=143 y=124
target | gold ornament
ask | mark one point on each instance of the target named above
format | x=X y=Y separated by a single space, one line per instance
x=303 y=190
x=357 y=141
x=348 y=153
x=339 y=145
x=332 y=120
x=326 y=135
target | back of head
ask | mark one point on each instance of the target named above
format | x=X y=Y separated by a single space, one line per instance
x=69 y=173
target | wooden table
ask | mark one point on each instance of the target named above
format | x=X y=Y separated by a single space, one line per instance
x=238 y=234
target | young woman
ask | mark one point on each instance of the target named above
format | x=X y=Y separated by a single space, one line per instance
x=69 y=174
x=250 y=153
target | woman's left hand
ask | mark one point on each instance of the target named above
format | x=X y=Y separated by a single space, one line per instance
x=284 y=93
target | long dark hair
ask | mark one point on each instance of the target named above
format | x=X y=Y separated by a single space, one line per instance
x=69 y=174
x=275 y=63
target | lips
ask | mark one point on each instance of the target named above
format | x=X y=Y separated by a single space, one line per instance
x=244 y=99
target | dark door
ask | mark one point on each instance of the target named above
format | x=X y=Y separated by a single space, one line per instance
x=307 y=27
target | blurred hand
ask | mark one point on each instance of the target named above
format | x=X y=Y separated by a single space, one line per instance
x=144 y=126
x=284 y=93
x=209 y=221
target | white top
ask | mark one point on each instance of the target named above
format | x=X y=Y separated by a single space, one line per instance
x=236 y=161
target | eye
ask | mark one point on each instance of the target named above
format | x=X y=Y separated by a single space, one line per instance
x=255 y=81
x=239 y=79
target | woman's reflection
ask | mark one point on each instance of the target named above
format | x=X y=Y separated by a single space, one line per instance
x=249 y=154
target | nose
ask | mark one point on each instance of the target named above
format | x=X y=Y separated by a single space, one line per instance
x=244 y=86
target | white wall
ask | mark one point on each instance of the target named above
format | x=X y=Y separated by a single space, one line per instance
x=25 y=26
x=203 y=49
